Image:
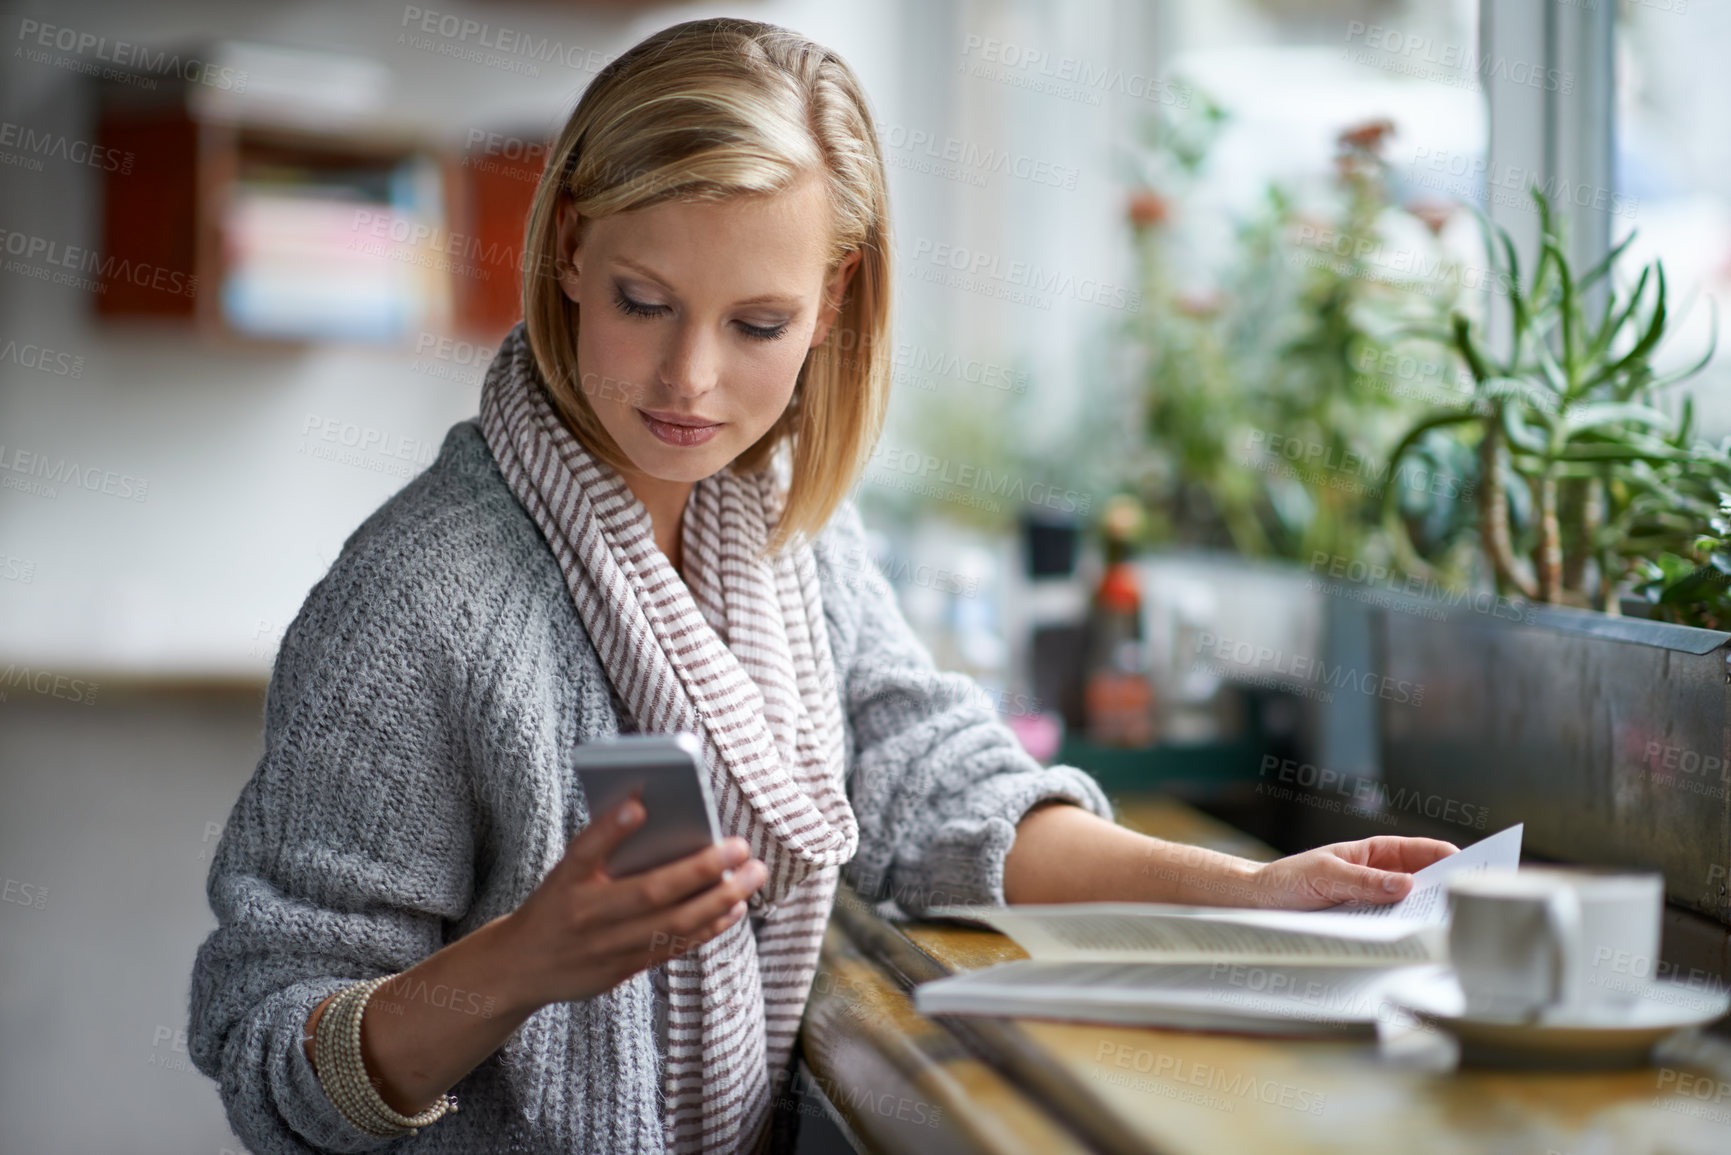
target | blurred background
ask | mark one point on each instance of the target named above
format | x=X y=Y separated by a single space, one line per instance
x=1182 y=287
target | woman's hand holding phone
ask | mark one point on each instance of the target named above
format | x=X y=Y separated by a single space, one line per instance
x=582 y=931
x=578 y=934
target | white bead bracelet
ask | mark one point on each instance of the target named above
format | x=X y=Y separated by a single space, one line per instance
x=343 y=1074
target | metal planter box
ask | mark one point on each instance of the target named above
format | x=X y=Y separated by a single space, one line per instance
x=1606 y=736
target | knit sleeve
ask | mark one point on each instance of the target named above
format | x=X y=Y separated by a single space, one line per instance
x=938 y=782
x=348 y=852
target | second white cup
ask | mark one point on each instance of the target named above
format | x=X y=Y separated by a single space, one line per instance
x=1553 y=941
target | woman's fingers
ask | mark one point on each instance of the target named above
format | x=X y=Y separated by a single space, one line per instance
x=1343 y=881
x=622 y=899
x=1393 y=852
x=1327 y=877
x=586 y=853
x=1377 y=869
x=1418 y=853
x=582 y=931
x=659 y=935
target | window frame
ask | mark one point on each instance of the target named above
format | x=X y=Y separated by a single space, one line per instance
x=1561 y=134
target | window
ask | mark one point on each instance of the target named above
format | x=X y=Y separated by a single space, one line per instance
x=1673 y=174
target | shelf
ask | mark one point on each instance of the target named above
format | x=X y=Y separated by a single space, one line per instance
x=278 y=234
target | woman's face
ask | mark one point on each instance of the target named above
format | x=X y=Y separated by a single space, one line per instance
x=695 y=319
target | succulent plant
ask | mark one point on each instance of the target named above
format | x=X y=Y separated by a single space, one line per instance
x=1570 y=414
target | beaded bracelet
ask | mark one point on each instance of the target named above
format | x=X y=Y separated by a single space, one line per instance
x=343 y=1074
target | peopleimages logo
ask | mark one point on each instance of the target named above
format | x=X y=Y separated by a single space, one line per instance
x=1241 y=656
x=125 y=55
x=920 y=365
x=1228 y=1087
x=1069 y=77
x=980 y=160
x=62 y=471
x=1369 y=794
x=983 y=271
x=78 y=691
x=1315 y=458
x=41 y=142
x=24 y=894
x=480 y=42
x=364 y=447
x=965 y=477
x=46 y=360
x=1462 y=174
x=1459 y=65
x=62 y=264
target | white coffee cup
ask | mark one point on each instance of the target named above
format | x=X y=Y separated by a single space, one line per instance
x=1551 y=942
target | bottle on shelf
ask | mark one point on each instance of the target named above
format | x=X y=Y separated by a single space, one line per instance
x=1118 y=694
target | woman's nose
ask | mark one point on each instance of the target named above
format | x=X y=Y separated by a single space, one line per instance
x=691 y=365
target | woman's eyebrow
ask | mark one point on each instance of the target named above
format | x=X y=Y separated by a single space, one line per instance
x=789 y=300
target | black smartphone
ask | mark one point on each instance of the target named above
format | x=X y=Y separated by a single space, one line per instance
x=666 y=772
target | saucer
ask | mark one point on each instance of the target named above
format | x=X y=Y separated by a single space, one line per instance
x=1587 y=1038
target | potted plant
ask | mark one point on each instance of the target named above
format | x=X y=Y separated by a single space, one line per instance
x=1583 y=481
x=1269 y=401
x=1678 y=539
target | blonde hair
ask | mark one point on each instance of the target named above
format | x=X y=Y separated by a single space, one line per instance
x=710 y=109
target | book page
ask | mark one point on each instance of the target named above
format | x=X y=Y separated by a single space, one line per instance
x=1219 y=991
x=1427 y=902
x=1143 y=932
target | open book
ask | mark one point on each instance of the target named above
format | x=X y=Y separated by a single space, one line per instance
x=1219 y=968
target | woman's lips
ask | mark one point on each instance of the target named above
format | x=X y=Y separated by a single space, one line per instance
x=676 y=430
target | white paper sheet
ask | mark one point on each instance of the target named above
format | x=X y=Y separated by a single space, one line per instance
x=1292 y=1000
x=1146 y=932
x=1427 y=902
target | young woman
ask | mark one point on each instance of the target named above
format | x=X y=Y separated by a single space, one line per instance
x=645 y=528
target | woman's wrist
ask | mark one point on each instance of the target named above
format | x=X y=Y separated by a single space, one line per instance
x=501 y=988
x=427 y=1027
x=508 y=959
x=1196 y=876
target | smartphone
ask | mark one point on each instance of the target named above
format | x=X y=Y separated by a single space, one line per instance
x=666 y=772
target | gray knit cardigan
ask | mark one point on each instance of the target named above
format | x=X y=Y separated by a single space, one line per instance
x=416 y=783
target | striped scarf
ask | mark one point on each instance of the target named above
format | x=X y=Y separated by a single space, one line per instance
x=741 y=659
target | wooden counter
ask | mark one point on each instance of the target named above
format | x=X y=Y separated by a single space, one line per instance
x=1024 y=1085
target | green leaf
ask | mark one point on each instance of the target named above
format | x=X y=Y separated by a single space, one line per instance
x=1522 y=435
x=1517 y=299
x=1529 y=393
x=1712 y=345
x=1468 y=350
x=1606 y=413
x=1602 y=267
x=1607 y=333
x=1644 y=346
x=1566 y=287
x=1554 y=374
x=1438 y=420
x=1613 y=452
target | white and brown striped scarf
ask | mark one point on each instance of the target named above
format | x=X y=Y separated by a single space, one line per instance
x=741 y=659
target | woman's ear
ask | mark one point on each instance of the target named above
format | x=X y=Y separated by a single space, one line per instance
x=834 y=292
x=568 y=250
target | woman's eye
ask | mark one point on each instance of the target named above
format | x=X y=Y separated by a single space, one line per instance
x=633 y=308
x=763 y=333
x=638 y=309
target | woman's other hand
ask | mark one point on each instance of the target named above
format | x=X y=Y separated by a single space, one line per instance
x=582 y=931
x=1376 y=870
